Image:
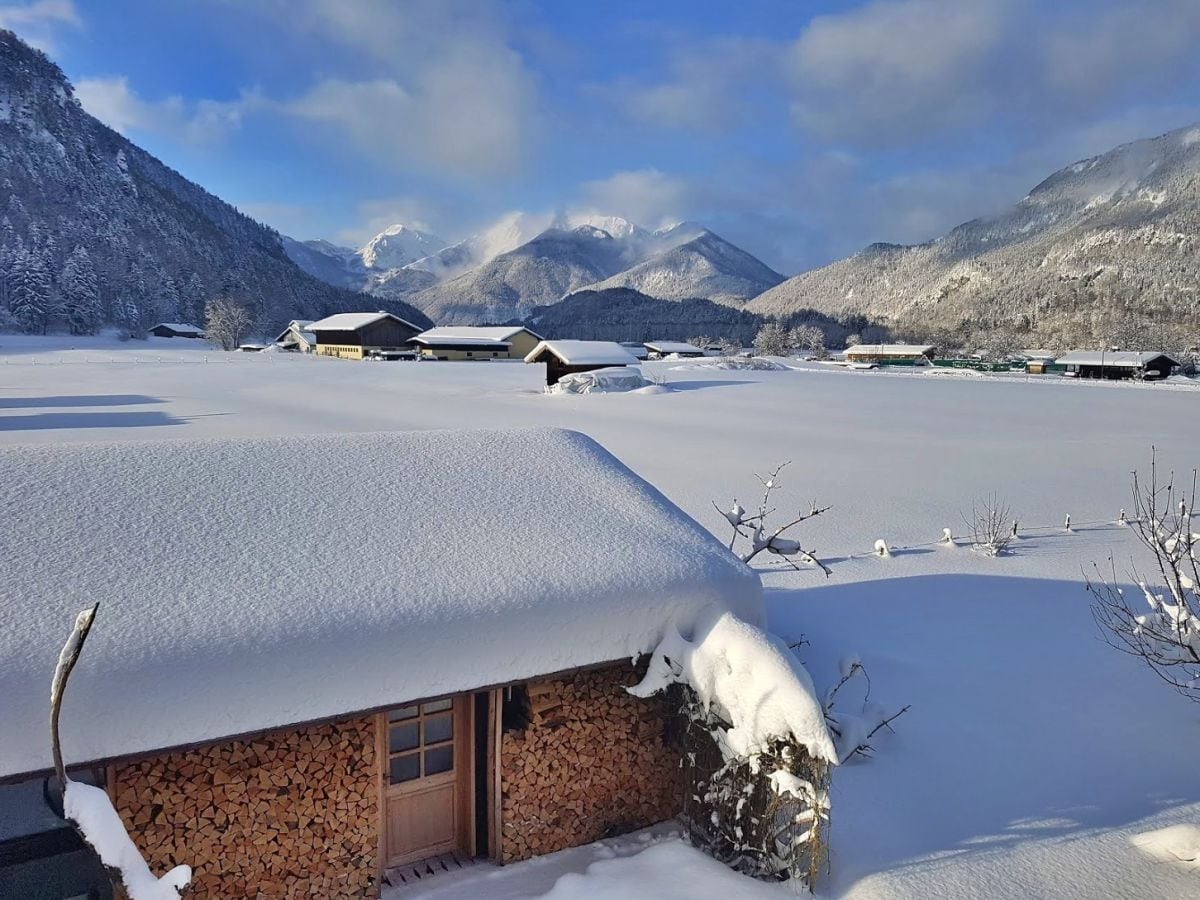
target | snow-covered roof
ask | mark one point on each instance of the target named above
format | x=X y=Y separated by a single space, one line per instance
x=1038 y=355
x=889 y=349
x=353 y=321
x=475 y=332
x=451 y=341
x=672 y=347
x=584 y=353
x=180 y=327
x=1120 y=358
x=230 y=602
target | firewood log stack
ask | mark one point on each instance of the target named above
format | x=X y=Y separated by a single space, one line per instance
x=289 y=814
x=592 y=763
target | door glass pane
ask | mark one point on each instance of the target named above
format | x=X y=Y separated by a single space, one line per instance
x=405 y=768
x=439 y=759
x=439 y=728
x=403 y=737
x=437 y=705
x=407 y=712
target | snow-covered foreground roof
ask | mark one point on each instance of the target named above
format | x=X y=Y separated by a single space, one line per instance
x=353 y=321
x=584 y=353
x=474 y=332
x=246 y=584
x=672 y=347
x=1121 y=358
x=889 y=349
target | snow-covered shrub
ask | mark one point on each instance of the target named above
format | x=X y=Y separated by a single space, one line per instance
x=853 y=731
x=773 y=340
x=758 y=753
x=757 y=536
x=991 y=524
x=601 y=381
x=1164 y=628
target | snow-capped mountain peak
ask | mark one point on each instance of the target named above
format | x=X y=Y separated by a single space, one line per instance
x=397 y=246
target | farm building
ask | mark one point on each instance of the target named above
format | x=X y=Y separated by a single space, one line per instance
x=890 y=354
x=1039 y=362
x=297 y=337
x=659 y=349
x=564 y=357
x=285 y=714
x=176 y=329
x=466 y=342
x=1117 y=364
x=637 y=350
x=359 y=335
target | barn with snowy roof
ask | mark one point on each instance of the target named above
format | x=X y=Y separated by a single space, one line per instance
x=328 y=695
x=361 y=335
x=567 y=357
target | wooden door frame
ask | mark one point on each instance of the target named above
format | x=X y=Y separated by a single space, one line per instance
x=464 y=775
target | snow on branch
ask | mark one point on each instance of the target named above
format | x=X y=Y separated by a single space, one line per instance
x=753 y=529
x=853 y=731
x=1164 y=628
x=89 y=809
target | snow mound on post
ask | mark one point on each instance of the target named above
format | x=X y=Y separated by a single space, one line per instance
x=91 y=810
x=251 y=584
x=600 y=381
x=751 y=678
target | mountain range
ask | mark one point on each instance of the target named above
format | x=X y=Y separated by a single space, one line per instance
x=501 y=274
x=95 y=231
x=1102 y=251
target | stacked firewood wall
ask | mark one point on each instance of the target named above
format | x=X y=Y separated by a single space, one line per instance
x=289 y=814
x=592 y=762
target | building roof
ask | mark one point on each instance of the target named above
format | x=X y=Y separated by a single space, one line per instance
x=583 y=353
x=476 y=332
x=889 y=349
x=354 y=321
x=297 y=328
x=452 y=341
x=1125 y=359
x=230 y=602
x=181 y=327
x=672 y=347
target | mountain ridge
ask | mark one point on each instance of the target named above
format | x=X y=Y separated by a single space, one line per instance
x=1102 y=250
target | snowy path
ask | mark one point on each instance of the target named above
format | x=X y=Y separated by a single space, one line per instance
x=1032 y=753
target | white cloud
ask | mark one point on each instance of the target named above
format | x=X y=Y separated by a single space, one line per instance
x=645 y=196
x=116 y=104
x=36 y=22
x=706 y=88
x=898 y=68
x=451 y=95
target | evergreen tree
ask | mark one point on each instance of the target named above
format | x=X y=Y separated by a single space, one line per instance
x=80 y=294
x=29 y=291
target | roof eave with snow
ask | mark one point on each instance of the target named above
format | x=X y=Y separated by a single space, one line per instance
x=215 y=623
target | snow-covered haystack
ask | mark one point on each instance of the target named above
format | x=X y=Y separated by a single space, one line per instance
x=759 y=753
x=615 y=380
x=734 y=363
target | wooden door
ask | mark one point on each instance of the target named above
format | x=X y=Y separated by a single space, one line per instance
x=427 y=780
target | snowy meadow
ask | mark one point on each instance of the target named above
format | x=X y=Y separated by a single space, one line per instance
x=1033 y=755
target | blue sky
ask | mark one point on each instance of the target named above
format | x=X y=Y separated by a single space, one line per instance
x=801 y=131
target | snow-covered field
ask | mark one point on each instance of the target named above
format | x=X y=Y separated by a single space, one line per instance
x=1033 y=754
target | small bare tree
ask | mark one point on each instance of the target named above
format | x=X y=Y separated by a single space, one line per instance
x=992 y=525
x=760 y=537
x=773 y=340
x=88 y=808
x=1165 y=631
x=853 y=731
x=226 y=322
